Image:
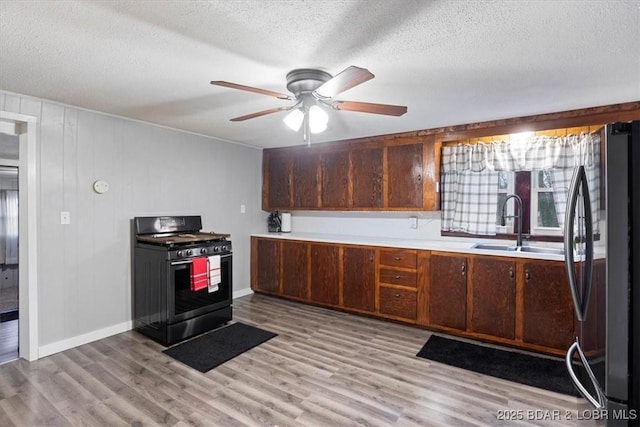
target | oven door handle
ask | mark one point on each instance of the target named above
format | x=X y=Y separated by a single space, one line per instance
x=181 y=262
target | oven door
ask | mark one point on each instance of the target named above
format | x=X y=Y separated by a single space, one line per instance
x=183 y=303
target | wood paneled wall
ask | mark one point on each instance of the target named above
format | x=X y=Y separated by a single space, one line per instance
x=84 y=268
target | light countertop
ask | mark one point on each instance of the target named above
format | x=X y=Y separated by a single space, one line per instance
x=431 y=245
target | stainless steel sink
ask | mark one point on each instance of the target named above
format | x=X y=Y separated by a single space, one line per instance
x=493 y=247
x=541 y=250
x=512 y=248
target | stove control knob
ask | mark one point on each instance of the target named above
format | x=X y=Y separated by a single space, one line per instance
x=179 y=253
x=216 y=249
x=189 y=252
x=203 y=250
x=223 y=248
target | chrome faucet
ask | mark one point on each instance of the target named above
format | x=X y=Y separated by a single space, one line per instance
x=519 y=216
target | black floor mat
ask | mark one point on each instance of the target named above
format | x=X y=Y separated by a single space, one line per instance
x=549 y=374
x=216 y=347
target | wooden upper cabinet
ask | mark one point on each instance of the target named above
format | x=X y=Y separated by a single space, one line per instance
x=404 y=176
x=325 y=274
x=334 y=175
x=547 y=307
x=493 y=292
x=367 y=177
x=359 y=278
x=305 y=172
x=276 y=191
x=448 y=291
x=295 y=262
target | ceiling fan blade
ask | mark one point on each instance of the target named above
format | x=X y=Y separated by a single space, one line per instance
x=346 y=79
x=251 y=89
x=259 y=114
x=367 y=107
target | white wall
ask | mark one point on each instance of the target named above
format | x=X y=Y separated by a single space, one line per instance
x=84 y=268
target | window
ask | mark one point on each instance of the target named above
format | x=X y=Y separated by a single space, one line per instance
x=536 y=191
x=478 y=178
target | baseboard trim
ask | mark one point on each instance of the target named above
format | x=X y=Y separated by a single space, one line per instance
x=56 y=347
x=242 y=292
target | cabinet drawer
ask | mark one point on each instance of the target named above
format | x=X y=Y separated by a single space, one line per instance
x=398 y=302
x=397 y=277
x=399 y=258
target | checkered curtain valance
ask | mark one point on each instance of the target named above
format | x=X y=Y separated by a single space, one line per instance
x=470 y=176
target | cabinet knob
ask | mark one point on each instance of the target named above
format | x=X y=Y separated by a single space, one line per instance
x=397 y=258
x=511 y=272
x=396 y=277
x=463 y=269
x=397 y=295
x=526 y=274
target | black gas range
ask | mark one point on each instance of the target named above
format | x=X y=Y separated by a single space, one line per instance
x=182 y=278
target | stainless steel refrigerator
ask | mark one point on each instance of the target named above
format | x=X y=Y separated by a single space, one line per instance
x=604 y=360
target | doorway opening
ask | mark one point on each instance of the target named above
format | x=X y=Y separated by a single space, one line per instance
x=9 y=272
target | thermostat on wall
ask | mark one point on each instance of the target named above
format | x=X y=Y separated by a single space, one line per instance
x=101 y=186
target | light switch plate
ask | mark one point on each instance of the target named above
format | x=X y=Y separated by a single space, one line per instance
x=65 y=217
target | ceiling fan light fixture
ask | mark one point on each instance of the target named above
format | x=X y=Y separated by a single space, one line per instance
x=294 y=119
x=318 y=119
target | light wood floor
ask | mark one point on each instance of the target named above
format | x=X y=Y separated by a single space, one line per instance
x=325 y=368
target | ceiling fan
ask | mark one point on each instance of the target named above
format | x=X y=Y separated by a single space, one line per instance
x=312 y=90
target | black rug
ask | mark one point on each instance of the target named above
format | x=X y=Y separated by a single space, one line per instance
x=548 y=374
x=216 y=347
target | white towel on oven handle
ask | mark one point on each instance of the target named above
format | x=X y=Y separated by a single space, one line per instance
x=215 y=274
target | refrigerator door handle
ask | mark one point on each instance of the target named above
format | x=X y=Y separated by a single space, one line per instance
x=600 y=401
x=579 y=182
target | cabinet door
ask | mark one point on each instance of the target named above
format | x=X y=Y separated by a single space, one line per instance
x=266 y=265
x=547 y=306
x=295 y=262
x=335 y=179
x=367 y=177
x=325 y=274
x=493 y=287
x=305 y=180
x=404 y=169
x=278 y=179
x=448 y=291
x=359 y=278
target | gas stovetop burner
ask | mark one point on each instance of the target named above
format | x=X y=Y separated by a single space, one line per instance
x=181 y=238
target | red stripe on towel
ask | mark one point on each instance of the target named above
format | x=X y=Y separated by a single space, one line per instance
x=199 y=273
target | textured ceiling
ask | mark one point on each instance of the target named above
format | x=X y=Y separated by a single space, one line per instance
x=449 y=61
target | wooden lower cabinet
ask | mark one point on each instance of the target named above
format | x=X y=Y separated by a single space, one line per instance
x=519 y=302
x=325 y=274
x=547 y=311
x=295 y=274
x=493 y=297
x=359 y=277
x=448 y=291
x=265 y=265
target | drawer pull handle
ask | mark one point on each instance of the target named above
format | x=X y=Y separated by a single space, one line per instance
x=397 y=258
x=397 y=277
x=397 y=295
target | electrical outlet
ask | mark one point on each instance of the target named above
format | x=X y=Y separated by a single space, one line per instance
x=413 y=222
x=243 y=208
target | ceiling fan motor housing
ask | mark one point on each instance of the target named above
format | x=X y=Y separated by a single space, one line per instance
x=305 y=80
